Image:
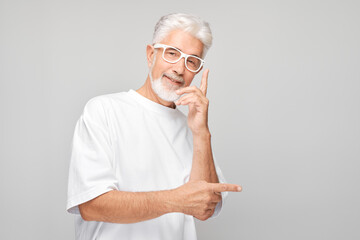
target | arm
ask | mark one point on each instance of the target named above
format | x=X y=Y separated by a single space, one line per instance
x=193 y=198
x=203 y=167
x=128 y=207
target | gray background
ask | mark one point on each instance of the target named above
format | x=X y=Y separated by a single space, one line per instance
x=284 y=108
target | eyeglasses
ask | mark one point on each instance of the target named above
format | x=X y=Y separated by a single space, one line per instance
x=173 y=55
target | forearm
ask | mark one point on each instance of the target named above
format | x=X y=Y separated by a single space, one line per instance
x=203 y=167
x=128 y=207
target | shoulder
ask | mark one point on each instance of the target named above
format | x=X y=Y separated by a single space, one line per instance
x=99 y=108
x=105 y=101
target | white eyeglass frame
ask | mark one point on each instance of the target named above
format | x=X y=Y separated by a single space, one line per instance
x=183 y=55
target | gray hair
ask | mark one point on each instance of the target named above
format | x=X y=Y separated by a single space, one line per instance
x=188 y=23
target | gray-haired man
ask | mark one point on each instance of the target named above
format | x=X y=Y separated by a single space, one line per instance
x=141 y=169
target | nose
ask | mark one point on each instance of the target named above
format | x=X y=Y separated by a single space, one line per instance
x=179 y=67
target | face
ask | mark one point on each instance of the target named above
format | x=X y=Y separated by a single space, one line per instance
x=167 y=77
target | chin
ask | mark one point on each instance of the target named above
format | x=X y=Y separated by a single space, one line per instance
x=164 y=90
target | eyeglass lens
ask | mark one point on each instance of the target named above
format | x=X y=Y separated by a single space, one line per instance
x=173 y=55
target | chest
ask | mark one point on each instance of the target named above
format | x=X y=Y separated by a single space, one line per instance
x=151 y=152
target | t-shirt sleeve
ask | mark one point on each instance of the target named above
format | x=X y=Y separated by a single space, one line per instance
x=221 y=178
x=91 y=171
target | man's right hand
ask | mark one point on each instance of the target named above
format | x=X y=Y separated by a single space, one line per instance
x=199 y=198
x=196 y=198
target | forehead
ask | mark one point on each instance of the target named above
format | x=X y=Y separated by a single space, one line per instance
x=185 y=42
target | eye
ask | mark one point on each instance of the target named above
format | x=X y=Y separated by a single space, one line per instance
x=191 y=62
x=172 y=53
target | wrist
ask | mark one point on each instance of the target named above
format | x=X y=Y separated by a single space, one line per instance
x=171 y=201
x=204 y=134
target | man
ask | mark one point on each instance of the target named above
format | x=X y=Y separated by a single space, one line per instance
x=141 y=169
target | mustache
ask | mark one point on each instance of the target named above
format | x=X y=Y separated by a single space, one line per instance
x=175 y=77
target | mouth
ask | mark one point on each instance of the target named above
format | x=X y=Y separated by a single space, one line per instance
x=173 y=81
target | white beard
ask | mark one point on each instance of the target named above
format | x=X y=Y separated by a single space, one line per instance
x=164 y=89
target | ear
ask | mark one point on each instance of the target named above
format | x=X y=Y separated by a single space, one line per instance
x=150 y=54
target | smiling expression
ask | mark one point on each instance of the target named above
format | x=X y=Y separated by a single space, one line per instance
x=174 y=75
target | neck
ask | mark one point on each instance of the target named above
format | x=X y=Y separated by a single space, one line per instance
x=147 y=91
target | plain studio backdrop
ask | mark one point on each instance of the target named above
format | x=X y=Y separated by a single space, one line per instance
x=284 y=110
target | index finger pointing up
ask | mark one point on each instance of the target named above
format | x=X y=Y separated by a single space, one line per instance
x=204 y=79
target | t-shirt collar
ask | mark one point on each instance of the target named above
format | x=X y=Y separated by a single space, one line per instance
x=151 y=105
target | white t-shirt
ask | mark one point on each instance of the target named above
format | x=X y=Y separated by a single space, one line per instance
x=124 y=141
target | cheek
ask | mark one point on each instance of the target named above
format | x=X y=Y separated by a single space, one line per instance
x=188 y=79
x=160 y=68
x=156 y=71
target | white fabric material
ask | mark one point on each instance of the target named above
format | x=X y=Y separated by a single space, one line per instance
x=126 y=142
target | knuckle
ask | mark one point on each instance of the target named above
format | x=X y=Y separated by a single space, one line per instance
x=203 y=212
x=203 y=183
x=202 y=218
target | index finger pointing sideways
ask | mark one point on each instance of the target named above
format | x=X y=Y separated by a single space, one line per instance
x=226 y=187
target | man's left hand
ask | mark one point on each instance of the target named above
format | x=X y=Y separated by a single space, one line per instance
x=198 y=105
